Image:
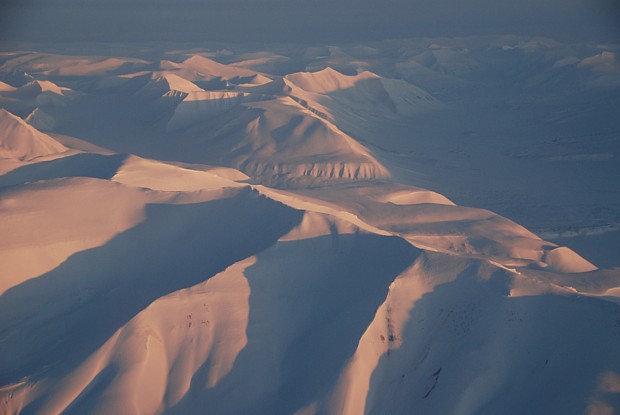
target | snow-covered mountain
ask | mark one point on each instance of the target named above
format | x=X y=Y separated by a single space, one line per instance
x=18 y=140
x=193 y=236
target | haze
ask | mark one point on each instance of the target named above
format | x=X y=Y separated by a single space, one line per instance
x=303 y=21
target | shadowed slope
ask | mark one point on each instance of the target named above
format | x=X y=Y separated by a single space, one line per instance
x=80 y=165
x=310 y=301
x=19 y=140
x=470 y=347
x=277 y=142
x=237 y=342
x=76 y=307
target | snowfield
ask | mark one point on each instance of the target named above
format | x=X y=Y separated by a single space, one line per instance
x=353 y=229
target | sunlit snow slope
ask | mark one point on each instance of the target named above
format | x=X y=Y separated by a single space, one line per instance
x=195 y=236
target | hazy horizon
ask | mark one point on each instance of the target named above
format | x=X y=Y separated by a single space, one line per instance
x=297 y=21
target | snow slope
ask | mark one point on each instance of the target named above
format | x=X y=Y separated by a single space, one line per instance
x=167 y=84
x=19 y=140
x=50 y=64
x=197 y=67
x=366 y=93
x=272 y=139
x=342 y=296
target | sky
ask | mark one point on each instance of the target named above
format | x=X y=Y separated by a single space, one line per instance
x=303 y=20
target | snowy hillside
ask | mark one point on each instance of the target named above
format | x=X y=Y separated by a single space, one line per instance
x=18 y=140
x=310 y=230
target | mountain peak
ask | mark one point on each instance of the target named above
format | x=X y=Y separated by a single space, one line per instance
x=46 y=86
x=18 y=140
x=198 y=67
x=177 y=83
x=327 y=80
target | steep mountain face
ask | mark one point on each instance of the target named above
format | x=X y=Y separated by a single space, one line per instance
x=285 y=144
x=35 y=100
x=200 y=105
x=265 y=131
x=200 y=68
x=293 y=124
x=366 y=93
x=276 y=141
x=255 y=257
x=167 y=84
x=18 y=140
